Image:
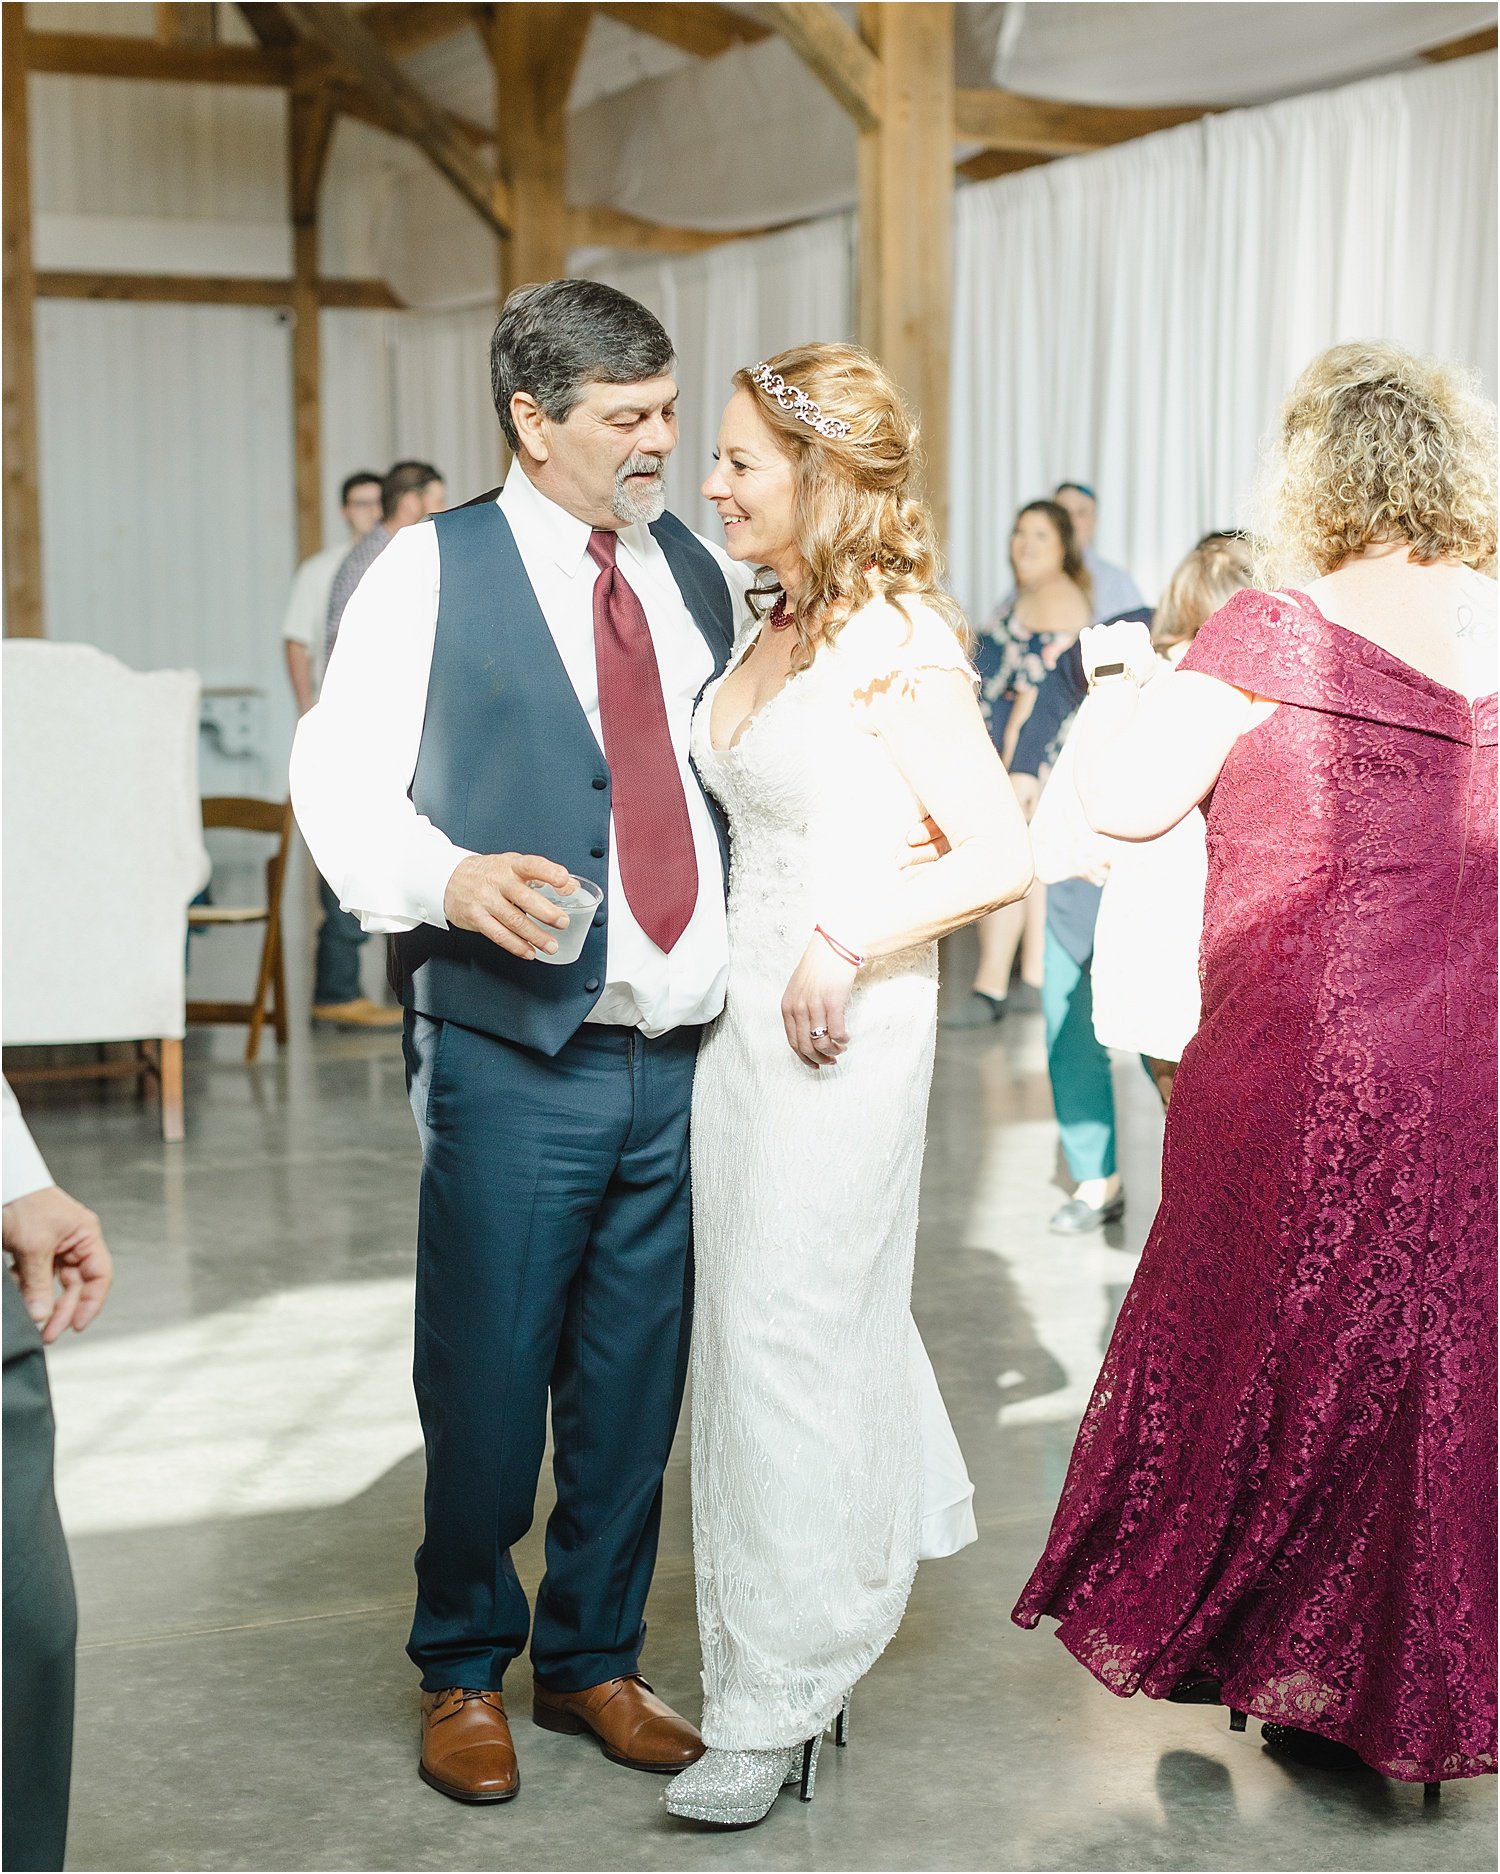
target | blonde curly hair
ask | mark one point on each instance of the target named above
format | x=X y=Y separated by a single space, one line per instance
x=1212 y=573
x=860 y=531
x=1375 y=445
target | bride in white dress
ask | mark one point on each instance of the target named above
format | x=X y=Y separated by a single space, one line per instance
x=823 y=1462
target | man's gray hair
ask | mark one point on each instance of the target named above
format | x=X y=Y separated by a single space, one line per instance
x=554 y=338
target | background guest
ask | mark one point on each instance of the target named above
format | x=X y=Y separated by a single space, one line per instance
x=1050 y=605
x=61 y=1273
x=1129 y=979
x=409 y=492
x=1150 y=914
x=1114 y=589
x=306 y=622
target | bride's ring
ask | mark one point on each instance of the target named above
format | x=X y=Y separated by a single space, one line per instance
x=818 y=1034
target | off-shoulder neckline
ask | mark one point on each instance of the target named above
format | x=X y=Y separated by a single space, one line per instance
x=1402 y=664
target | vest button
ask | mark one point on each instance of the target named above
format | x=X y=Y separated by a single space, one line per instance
x=592 y=984
x=600 y=783
x=598 y=919
x=596 y=852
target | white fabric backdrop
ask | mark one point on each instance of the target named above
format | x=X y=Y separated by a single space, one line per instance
x=1132 y=319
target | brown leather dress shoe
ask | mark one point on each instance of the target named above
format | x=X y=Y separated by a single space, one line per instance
x=632 y=1724
x=467 y=1751
x=361 y=1013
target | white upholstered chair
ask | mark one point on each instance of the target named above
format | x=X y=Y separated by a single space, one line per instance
x=103 y=849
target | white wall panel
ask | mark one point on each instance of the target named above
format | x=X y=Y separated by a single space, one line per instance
x=131 y=175
x=125 y=19
x=358 y=415
x=166 y=495
x=443 y=412
x=131 y=146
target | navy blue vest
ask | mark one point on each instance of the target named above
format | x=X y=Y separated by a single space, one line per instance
x=508 y=763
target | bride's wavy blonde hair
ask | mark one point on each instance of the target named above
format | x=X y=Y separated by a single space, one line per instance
x=860 y=531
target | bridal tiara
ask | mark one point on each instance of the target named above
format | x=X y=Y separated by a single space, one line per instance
x=799 y=404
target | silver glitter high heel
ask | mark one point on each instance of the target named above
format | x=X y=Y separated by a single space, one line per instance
x=841 y=1724
x=738 y=1788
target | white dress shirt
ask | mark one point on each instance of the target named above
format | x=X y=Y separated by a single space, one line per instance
x=356 y=751
x=22 y=1167
x=307 y=609
x=1114 y=589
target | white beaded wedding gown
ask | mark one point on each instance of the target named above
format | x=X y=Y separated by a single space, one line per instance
x=823 y=1461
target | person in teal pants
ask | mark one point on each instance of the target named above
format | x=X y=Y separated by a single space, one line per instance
x=1082 y=1089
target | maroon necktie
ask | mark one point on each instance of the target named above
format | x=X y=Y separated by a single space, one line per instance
x=653 y=835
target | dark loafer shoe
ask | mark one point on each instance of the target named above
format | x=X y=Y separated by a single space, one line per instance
x=632 y=1725
x=467 y=1749
x=1077 y=1218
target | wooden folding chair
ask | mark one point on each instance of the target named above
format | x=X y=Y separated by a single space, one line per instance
x=251 y=816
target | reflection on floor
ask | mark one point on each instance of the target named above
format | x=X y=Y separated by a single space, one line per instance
x=241 y=1474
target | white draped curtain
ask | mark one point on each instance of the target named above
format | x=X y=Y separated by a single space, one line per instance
x=1132 y=319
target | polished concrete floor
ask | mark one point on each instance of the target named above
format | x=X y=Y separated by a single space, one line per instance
x=240 y=1473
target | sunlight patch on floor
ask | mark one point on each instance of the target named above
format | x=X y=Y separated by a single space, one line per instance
x=300 y=1399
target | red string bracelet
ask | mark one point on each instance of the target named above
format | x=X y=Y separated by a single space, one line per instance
x=840 y=950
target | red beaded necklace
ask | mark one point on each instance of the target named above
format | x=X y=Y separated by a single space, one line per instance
x=781 y=616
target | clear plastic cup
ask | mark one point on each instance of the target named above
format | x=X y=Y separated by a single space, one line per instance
x=580 y=906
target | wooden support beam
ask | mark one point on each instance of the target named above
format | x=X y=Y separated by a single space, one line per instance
x=179 y=24
x=359 y=296
x=991 y=163
x=835 y=55
x=309 y=132
x=194 y=289
x=535 y=48
x=356 y=49
x=602 y=226
x=1003 y=120
x=1483 y=41
x=906 y=217
x=349 y=100
x=22 y=504
x=706 y=30
x=92 y=55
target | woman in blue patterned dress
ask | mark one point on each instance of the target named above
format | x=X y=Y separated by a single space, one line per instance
x=1034 y=625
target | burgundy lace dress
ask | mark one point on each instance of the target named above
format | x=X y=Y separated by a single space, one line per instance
x=1286 y=1476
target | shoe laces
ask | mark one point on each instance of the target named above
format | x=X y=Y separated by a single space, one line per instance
x=470 y=1695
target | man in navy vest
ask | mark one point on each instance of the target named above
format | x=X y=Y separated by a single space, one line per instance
x=509 y=703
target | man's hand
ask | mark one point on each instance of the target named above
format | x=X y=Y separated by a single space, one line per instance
x=926 y=842
x=491 y=893
x=54 y=1242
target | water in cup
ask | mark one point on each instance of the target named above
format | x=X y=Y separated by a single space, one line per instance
x=580 y=904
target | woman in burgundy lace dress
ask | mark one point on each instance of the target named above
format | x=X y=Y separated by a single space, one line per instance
x=1283 y=1491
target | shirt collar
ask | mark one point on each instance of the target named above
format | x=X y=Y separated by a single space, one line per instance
x=561 y=535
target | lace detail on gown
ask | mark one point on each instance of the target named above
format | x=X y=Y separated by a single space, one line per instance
x=808 y=1395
